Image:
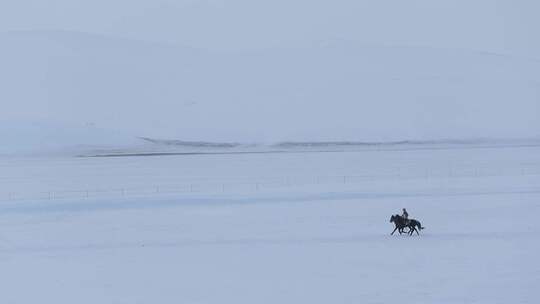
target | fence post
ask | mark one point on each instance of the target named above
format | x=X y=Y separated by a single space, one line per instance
x=223 y=188
x=190 y=187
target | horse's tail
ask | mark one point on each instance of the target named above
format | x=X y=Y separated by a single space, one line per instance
x=420 y=225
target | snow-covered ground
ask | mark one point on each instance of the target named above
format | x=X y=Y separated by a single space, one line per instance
x=272 y=228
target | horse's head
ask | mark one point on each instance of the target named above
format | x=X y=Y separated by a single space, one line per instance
x=392 y=218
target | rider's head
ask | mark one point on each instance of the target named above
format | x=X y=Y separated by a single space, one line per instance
x=404 y=209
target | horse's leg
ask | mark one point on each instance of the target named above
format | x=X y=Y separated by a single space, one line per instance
x=416 y=231
x=403 y=229
x=394 y=231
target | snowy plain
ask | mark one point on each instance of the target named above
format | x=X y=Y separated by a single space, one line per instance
x=273 y=228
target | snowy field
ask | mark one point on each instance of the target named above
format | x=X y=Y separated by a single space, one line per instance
x=272 y=228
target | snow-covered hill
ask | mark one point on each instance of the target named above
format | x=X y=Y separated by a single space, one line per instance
x=332 y=91
x=42 y=137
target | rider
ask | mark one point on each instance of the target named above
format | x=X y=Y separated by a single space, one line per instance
x=405 y=216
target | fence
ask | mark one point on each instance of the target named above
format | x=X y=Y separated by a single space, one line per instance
x=266 y=184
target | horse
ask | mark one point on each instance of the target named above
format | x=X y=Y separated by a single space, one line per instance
x=401 y=223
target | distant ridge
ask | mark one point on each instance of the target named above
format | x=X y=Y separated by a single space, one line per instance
x=202 y=144
x=329 y=144
x=161 y=147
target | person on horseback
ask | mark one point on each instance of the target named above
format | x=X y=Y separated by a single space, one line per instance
x=402 y=221
x=405 y=216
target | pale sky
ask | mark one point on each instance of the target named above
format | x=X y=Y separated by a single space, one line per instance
x=502 y=26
